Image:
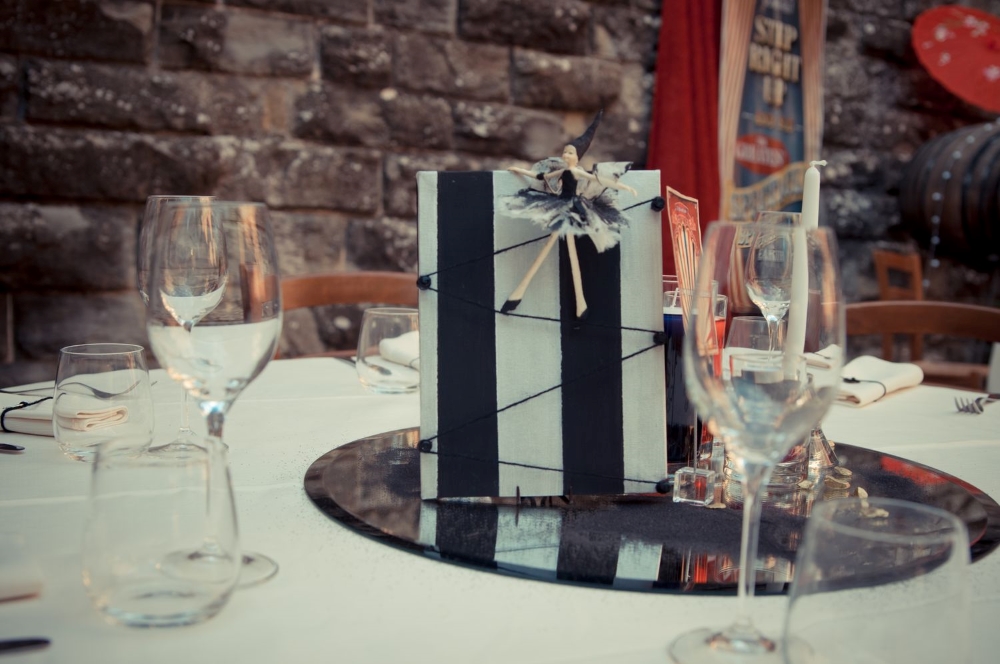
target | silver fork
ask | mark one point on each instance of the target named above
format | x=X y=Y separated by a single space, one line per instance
x=971 y=406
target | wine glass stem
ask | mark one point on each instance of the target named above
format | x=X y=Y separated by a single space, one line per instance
x=772 y=333
x=754 y=477
x=185 y=429
x=215 y=418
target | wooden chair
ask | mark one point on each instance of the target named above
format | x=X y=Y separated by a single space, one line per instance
x=397 y=288
x=967 y=321
x=891 y=268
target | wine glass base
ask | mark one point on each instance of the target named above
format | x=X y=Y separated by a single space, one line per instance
x=256 y=569
x=733 y=645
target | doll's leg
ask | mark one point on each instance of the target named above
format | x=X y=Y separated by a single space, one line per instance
x=574 y=264
x=515 y=297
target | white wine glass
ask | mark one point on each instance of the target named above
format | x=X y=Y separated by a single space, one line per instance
x=768 y=270
x=761 y=404
x=148 y=232
x=238 y=333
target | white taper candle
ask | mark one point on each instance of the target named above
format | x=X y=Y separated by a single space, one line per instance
x=795 y=340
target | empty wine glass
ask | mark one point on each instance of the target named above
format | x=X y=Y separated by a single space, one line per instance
x=760 y=405
x=238 y=333
x=768 y=270
x=155 y=207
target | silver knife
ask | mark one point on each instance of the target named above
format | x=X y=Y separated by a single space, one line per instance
x=20 y=645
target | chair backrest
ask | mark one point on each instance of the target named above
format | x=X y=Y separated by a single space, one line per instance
x=967 y=321
x=316 y=290
x=891 y=268
x=349 y=288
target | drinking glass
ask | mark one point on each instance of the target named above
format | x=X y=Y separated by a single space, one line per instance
x=880 y=580
x=388 y=359
x=752 y=334
x=238 y=333
x=101 y=394
x=143 y=506
x=768 y=270
x=155 y=207
x=760 y=405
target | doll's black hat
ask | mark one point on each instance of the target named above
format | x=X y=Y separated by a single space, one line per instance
x=582 y=143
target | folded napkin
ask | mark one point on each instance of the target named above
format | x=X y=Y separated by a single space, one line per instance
x=78 y=413
x=867 y=379
x=404 y=349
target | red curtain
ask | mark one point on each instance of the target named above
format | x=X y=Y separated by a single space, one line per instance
x=684 y=130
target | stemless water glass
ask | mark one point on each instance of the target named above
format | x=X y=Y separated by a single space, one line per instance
x=142 y=507
x=760 y=405
x=238 y=334
x=156 y=206
x=752 y=334
x=101 y=394
x=880 y=580
x=388 y=359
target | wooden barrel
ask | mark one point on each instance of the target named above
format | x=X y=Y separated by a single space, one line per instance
x=952 y=185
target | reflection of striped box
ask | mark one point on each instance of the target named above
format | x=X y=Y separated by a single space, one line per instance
x=543 y=543
x=602 y=431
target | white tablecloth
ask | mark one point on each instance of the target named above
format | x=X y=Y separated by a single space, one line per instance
x=345 y=598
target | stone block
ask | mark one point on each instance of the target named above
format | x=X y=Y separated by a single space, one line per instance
x=624 y=132
x=8 y=22
x=68 y=248
x=338 y=326
x=882 y=8
x=425 y=15
x=344 y=116
x=556 y=26
x=300 y=334
x=112 y=30
x=294 y=174
x=452 y=68
x=626 y=33
x=235 y=41
x=348 y=11
x=863 y=170
x=8 y=86
x=382 y=244
x=857 y=271
x=862 y=215
x=46 y=323
x=401 y=176
x=418 y=121
x=309 y=242
x=541 y=80
x=888 y=39
x=497 y=129
x=104 y=166
x=362 y=58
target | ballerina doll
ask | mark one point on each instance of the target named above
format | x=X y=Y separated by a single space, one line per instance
x=569 y=201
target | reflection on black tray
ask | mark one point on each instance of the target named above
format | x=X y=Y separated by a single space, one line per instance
x=644 y=542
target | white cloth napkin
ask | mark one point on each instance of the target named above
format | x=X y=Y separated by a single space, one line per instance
x=404 y=349
x=78 y=413
x=876 y=378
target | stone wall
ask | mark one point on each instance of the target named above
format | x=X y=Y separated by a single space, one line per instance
x=325 y=110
